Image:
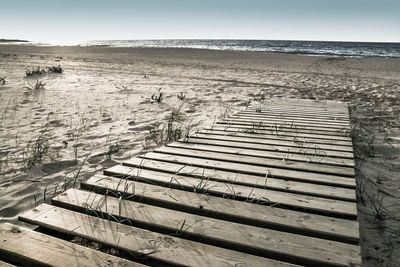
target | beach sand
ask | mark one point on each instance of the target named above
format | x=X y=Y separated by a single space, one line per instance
x=102 y=104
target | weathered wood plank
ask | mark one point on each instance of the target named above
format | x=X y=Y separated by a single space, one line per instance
x=275 y=120
x=28 y=248
x=261 y=158
x=314 y=102
x=294 y=123
x=331 y=207
x=277 y=127
x=287 y=103
x=315 y=155
x=299 y=145
x=326 y=104
x=311 y=120
x=153 y=248
x=260 y=131
x=228 y=209
x=296 y=141
x=213 y=231
x=297 y=115
x=252 y=169
x=291 y=108
x=312 y=169
x=290 y=122
x=319 y=115
x=246 y=179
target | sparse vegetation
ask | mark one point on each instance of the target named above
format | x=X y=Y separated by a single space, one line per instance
x=181 y=96
x=41 y=71
x=36 y=86
x=35 y=72
x=113 y=148
x=158 y=96
x=35 y=152
x=54 y=69
x=124 y=88
x=171 y=130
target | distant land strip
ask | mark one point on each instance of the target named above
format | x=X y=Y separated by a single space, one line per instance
x=13 y=41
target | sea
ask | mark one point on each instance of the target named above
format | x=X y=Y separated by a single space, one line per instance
x=338 y=49
x=312 y=48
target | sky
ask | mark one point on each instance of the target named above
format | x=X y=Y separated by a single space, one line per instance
x=74 y=21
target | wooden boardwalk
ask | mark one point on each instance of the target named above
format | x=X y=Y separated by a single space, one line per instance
x=272 y=185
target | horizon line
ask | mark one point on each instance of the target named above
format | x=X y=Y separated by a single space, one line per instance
x=199 y=39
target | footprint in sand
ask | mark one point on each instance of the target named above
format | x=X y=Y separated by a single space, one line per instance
x=56 y=123
x=106 y=120
x=54 y=167
x=95 y=159
x=40 y=109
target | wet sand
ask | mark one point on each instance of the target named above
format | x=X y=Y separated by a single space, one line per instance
x=103 y=101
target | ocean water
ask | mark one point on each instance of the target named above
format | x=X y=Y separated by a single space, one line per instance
x=327 y=48
x=347 y=49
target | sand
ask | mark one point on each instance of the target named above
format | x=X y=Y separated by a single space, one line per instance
x=100 y=110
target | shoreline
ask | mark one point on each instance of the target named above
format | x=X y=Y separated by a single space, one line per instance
x=128 y=50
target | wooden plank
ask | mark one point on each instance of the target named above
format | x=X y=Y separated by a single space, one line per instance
x=303 y=145
x=305 y=154
x=318 y=115
x=290 y=108
x=153 y=248
x=286 y=123
x=257 y=157
x=302 y=103
x=280 y=119
x=296 y=141
x=228 y=209
x=28 y=248
x=335 y=208
x=214 y=231
x=324 y=102
x=265 y=122
x=253 y=130
x=305 y=103
x=276 y=127
x=294 y=118
x=312 y=169
x=246 y=179
x=291 y=175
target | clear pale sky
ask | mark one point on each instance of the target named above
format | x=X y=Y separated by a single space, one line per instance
x=71 y=21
